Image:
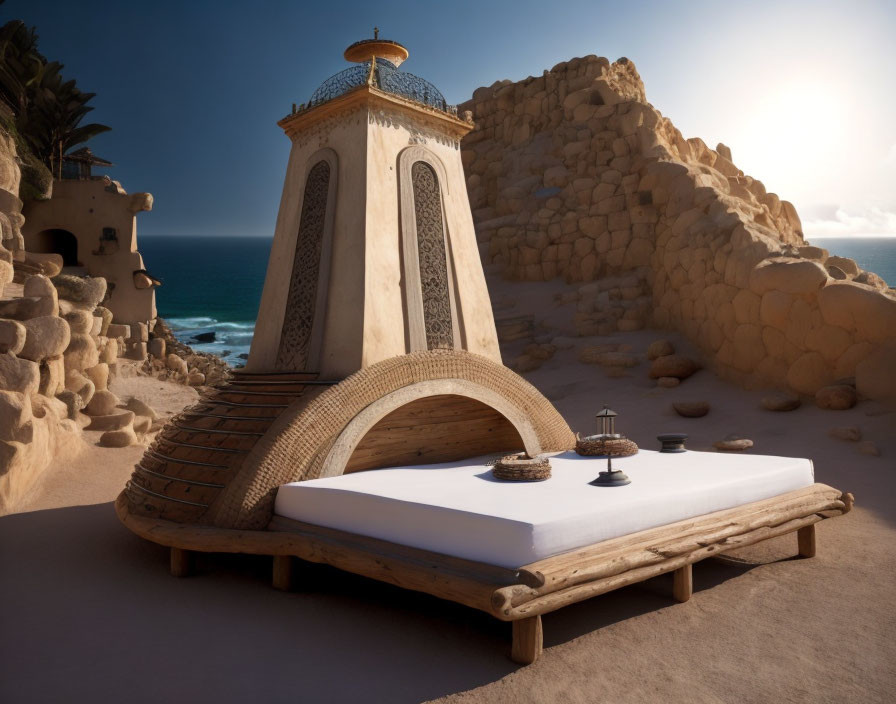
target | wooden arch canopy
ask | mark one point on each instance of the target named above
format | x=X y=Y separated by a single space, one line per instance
x=317 y=435
x=432 y=421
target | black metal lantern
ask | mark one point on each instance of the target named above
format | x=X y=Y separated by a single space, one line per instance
x=612 y=477
x=606 y=423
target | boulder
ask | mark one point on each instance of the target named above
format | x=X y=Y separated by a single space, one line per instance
x=12 y=336
x=781 y=401
x=691 y=409
x=103 y=403
x=106 y=316
x=810 y=252
x=124 y=437
x=15 y=417
x=99 y=375
x=20 y=375
x=660 y=348
x=112 y=421
x=859 y=308
x=849 y=433
x=787 y=275
x=156 y=348
x=73 y=402
x=176 y=364
x=835 y=272
x=837 y=397
x=869 y=278
x=28 y=307
x=39 y=286
x=142 y=424
x=52 y=376
x=109 y=353
x=847 y=266
x=141 y=408
x=116 y=330
x=876 y=374
x=808 y=373
x=81 y=352
x=47 y=336
x=48 y=263
x=80 y=384
x=137 y=350
x=198 y=378
x=87 y=291
x=676 y=365
x=80 y=321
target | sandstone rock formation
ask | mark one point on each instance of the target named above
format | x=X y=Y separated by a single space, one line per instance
x=573 y=174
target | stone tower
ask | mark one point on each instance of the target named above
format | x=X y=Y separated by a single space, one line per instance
x=374 y=253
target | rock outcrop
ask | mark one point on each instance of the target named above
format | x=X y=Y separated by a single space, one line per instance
x=573 y=174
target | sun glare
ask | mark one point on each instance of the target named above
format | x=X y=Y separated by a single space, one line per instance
x=792 y=133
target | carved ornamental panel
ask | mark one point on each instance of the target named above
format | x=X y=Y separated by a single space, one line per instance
x=432 y=257
x=298 y=322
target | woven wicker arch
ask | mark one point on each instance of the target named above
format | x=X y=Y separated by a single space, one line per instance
x=297 y=445
x=360 y=427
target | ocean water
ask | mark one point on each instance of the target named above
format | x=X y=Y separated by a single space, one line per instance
x=877 y=254
x=209 y=286
x=213 y=285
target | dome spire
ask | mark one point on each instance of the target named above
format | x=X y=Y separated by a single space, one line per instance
x=367 y=49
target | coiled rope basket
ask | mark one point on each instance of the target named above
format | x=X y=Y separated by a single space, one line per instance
x=522 y=468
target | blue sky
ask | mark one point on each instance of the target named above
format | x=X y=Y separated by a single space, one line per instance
x=802 y=92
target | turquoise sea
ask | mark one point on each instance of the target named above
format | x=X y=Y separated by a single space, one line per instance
x=213 y=285
x=209 y=285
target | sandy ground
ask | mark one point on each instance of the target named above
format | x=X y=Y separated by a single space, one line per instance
x=90 y=613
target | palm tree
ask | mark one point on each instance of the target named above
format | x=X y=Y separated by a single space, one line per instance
x=47 y=109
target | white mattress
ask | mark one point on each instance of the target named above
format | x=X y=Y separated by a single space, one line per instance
x=459 y=509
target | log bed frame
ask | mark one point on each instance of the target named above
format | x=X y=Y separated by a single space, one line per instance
x=524 y=594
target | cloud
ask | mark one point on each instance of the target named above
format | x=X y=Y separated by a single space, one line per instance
x=871 y=222
x=890 y=158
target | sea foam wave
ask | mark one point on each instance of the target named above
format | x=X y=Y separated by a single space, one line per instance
x=232 y=338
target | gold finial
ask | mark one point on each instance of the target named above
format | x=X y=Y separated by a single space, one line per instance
x=376 y=32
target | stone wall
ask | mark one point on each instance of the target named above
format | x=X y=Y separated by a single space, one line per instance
x=59 y=349
x=574 y=174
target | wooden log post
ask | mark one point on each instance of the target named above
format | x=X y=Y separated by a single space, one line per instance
x=527 y=640
x=683 y=583
x=805 y=538
x=284 y=572
x=181 y=562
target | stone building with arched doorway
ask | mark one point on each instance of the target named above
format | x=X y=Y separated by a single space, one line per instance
x=91 y=222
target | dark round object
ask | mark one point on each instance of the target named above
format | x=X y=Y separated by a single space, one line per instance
x=615 y=477
x=672 y=442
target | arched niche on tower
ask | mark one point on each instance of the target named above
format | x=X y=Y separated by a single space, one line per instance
x=428 y=275
x=304 y=316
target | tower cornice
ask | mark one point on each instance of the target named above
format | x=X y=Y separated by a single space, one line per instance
x=374 y=98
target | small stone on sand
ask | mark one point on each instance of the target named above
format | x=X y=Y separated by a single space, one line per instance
x=781 y=401
x=838 y=397
x=733 y=444
x=849 y=433
x=869 y=448
x=691 y=409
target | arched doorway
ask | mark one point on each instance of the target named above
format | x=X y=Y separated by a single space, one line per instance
x=57 y=241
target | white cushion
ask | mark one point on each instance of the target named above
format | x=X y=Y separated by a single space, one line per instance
x=459 y=509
